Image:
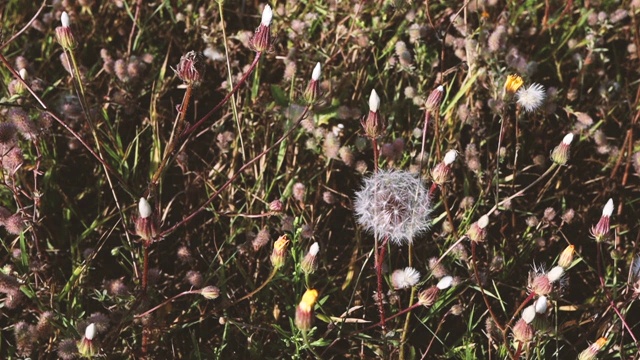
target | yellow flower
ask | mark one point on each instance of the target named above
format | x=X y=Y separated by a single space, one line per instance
x=279 y=251
x=304 y=311
x=513 y=83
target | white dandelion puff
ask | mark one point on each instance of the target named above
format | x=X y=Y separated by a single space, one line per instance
x=405 y=278
x=531 y=97
x=393 y=204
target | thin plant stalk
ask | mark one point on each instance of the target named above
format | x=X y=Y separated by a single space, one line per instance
x=407 y=319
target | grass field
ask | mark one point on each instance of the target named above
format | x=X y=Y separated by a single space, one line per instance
x=335 y=179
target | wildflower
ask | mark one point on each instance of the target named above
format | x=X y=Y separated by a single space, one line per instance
x=445 y=283
x=261 y=239
x=276 y=206
x=309 y=263
x=311 y=94
x=279 y=251
x=393 y=204
x=64 y=35
x=261 y=40
x=513 y=83
x=190 y=68
x=25 y=126
x=437 y=269
x=304 y=311
x=540 y=284
x=600 y=231
x=593 y=349
x=435 y=99
x=210 y=292
x=16 y=87
x=541 y=305
x=405 y=278
x=145 y=224
x=478 y=230
x=374 y=125
x=86 y=346
x=566 y=257
x=429 y=296
x=67 y=349
x=299 y=191
x=522 y=331
x=528 y=314
x=440 y=172
x=531 y=97
x=560 y=154
x=555 y=274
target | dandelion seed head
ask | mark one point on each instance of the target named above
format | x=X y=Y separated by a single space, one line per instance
x=393 y=204
x=531 y=97
x=405 y=278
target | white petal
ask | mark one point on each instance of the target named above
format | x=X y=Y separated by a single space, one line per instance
x=541 y=305
x=23 y=73
x=555 y=274
x=64 y=19
x=90 y=331
x=144 y=209
x=450 y=157
x=374 y=101
x=483 y=221
x=315 y=75
x=528 y=314
x=445 y=282
x=313 y=250
x=267 y=15
x=608 y=208
x=567 y=139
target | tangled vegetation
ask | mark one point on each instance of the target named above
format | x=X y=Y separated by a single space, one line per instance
x=319 y=179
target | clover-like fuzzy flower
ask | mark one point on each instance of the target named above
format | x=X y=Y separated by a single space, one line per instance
x=393 y=204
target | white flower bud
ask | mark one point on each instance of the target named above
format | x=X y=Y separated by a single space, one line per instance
x=541 y=305
x=23 y=73
x=144 y=209
x=315 y=75
x=267 y=15
x=374 y=101
x=450 y=157
x=445 y=282
x=528 y=314
x=64 y=19
x=313 y=250
x=90 y=331
x=483 y=221
x=555 y=274
x=567 y=139
x=608 y=208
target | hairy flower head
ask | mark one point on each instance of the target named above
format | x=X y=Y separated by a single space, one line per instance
x=393 y=204
x=530 y=97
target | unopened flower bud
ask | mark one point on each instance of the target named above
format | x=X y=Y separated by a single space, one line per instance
x=190 y=68
x=440 y=172
x=593 y=349
x=146 y=226
x=313 y=89
x=477 y=231
x=560 y=154
x=261 y=40
x=601 y=230
x=429 y=296
x=513 y=83
x=210 y=292
x=64 y=35
x=309 y=263
x=566 y=257
x=445 y=282
x=522 y=332
x=279 y=251
x=276 y=206
x=435 y=99
x=373 y=124
x=86 y=346
x=304 y=311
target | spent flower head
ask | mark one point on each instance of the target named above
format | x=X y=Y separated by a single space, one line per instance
x=278 y=255
x=190 y=68
x=435 y=99
x=393 y=204
x=440 y=172
x=530 y=97
x=405 y=278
